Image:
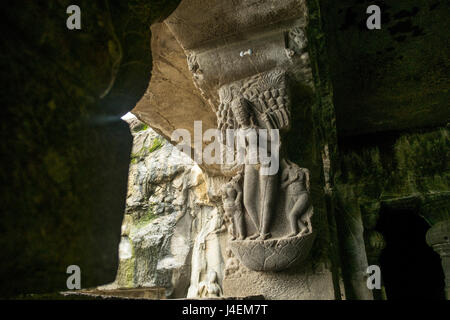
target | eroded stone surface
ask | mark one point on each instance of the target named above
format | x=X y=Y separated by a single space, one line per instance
x=172 y=101
x=166 y=227
x=273 y=254
x=256 y=72
x=305 y=283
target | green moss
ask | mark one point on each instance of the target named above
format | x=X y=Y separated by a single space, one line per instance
x=125 y=273
x=424 y=154
x=157 y=144
x=422 y=161
x=149 y=216
x=415 y=166
x=141 y=127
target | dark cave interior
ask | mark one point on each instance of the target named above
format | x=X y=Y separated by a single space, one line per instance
x=410 y=268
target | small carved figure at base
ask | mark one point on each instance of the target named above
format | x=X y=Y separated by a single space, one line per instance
x=210 y=288
x=232 y=205
x=232 y=264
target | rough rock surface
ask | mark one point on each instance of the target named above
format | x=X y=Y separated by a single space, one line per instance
x=172 y=100
x=167 y=197
x=394 y=79
x=310 y=282
x=273 y=254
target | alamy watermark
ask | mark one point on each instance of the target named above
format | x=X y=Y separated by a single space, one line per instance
x=374 y=20
x=73 y=22
x=374 y=280
x=232 y=147
x=74 y=280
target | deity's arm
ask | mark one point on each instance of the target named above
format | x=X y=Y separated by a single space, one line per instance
x=290 y=180
x=286 y=183
x=221 y=229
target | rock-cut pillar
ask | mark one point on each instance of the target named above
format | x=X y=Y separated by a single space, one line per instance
x=438 y=237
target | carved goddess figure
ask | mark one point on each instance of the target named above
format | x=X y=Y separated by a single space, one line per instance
x=296 y=182
x=206 y=253
x=232 y=205
x=253 y=177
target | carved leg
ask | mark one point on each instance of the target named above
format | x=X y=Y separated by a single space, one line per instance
x=294 y=226
x=250 y=194
x=268 y=197
x=231 y=232
x=438 y=239
x=299 y=208
x=240 y=226
x=303 y=227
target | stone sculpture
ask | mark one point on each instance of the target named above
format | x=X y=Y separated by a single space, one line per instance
x=210 y=288
x=206 y=256
x=295 y=181
x=232 y=205
x=252 y=172
x=270 y=213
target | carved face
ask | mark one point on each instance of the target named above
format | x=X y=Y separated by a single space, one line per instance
x=212 y=276
x=290 y=173
x=294 y=174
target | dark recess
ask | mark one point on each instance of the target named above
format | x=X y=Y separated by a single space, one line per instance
x=409 y=267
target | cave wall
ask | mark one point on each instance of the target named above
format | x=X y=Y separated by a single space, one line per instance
x=390 y=79
x=390 y=97
x=375 y=132
x=65 y=152
x=401 y=172
x=169 y=202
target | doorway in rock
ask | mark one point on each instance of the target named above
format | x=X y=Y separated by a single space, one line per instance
x=409 y=267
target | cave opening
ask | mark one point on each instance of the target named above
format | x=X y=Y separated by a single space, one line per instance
x=409 y=267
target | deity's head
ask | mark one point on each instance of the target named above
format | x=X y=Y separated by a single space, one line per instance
x=212 y=276
x=295 y=174
x=228 y=191
x=241 y=112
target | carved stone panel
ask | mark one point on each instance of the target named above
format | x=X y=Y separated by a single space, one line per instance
x=269 y=212
x=243 y=68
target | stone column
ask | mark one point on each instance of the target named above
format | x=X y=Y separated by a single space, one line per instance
x=438 y=237
x=257 y=76
x=374 y=241
x=245 y=65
